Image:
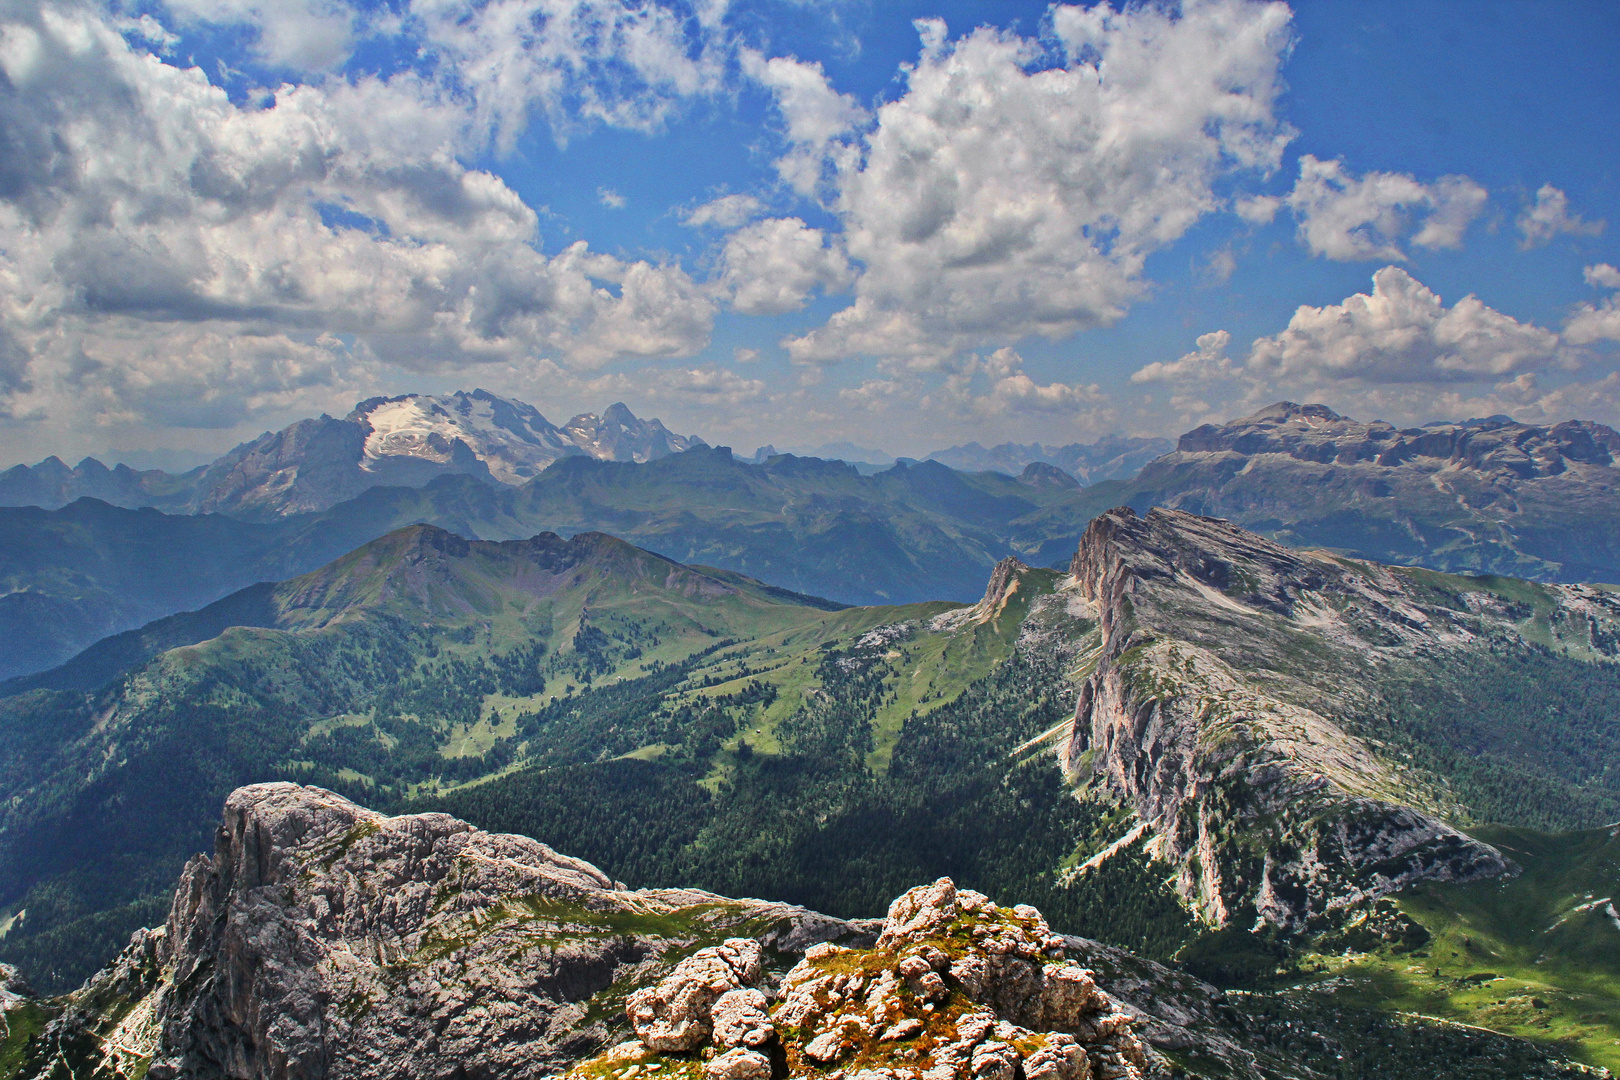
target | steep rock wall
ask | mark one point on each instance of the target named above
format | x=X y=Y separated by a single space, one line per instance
x=1271 y=811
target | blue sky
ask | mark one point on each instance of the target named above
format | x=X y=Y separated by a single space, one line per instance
x=902 y=224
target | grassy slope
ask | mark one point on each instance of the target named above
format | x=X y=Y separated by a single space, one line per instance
x=1517 y=956
x=251 y=704
x=929 y=668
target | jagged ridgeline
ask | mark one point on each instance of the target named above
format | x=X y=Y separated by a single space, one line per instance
x=1192 y=729
x=322 y=939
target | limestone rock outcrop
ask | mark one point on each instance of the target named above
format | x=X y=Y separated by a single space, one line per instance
x=323 y=940
x=1220 y=711
x=706 y=988
x=956 y=988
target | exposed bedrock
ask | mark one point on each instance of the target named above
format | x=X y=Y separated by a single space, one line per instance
x=1207 y=718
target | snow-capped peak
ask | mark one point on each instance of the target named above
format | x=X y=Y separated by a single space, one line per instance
x=513 y=440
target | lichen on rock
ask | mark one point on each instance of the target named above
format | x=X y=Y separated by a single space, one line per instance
x=955 y=988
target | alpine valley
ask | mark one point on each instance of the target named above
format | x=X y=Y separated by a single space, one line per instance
x=1192 y=802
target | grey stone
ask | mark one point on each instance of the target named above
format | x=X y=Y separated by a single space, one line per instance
x=738 y=1064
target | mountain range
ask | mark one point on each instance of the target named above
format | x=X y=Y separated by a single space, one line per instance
x=316 y=464
x=1483 y=496
x=408 y=440
x=912 y=532
x=1190 y=732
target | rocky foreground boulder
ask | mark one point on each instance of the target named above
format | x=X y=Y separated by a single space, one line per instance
x=956 y=988
x=324 y=941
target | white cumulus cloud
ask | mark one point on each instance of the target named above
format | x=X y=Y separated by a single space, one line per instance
x=304 y=35
x=1017 y=393
x=1549 y=216
x=1208 y=361
x=773 y=266
x=147 y=218
x=1402 y=333
x=817 y=117
x=1351 y=218
x=726 y=212
x=1601 y=321
x=574 y=62
x=1005 y=195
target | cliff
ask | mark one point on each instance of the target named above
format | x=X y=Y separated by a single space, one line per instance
x=1222 y=710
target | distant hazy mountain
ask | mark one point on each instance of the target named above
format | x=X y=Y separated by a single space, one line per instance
x=52 y=483
x=1482 y=496
x=71 y=576
x=316 y=464
x=1113 y=457
x=848 y=451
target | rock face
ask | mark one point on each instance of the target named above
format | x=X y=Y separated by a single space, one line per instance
x=619 y=435
x=955 y=988
x=1484 y=496
x=13 y=987
x=1215 y=711
x=324 y=940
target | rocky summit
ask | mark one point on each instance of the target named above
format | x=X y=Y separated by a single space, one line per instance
x=954 y=988
x=322 y=939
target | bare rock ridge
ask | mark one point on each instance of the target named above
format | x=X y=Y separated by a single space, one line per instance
x=1498 y=444
x=322 y=939
x=1215 y=712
